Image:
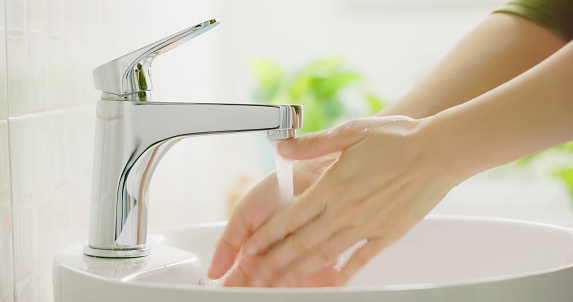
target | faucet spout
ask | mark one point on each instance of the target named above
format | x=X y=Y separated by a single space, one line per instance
x=131 y=139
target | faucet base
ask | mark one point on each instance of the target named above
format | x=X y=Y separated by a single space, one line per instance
x=132 y=253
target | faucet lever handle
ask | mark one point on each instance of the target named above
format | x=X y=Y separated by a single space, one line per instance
x=131 y=73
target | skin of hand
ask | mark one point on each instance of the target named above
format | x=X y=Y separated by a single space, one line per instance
x=500 y=48
x=385 y=181
x=393 y=171
x=253 y=210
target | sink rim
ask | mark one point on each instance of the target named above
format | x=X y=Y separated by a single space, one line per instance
x=374 y=288
x=156 y=235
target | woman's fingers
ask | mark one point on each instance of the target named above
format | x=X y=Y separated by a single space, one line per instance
x=303 y=226
x=324 y=255
x=228 y=247
x=381 y=185
x=237 y=278
x=300 y=243
x=324 y=142
x=248 y=219
x=360 y=258
x=314 y=201
x=253 y=210
x=289 y=219
x=323 y=278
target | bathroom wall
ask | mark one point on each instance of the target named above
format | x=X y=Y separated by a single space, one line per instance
x=6 y=265
x=47 y=113
x=391 y=43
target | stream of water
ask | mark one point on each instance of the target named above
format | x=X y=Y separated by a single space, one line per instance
x=284 y=174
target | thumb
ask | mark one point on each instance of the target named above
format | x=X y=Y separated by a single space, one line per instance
x=228 y=248
x=321 y=143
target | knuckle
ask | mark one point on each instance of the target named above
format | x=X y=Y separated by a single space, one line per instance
x=351 y=126
x=347 y=127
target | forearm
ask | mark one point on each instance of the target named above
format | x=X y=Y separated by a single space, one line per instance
x=500 y=48
x=528 y=114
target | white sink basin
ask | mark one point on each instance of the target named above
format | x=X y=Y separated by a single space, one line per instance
x=442 y=259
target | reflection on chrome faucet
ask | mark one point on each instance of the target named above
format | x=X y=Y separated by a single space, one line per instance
x=133 y=133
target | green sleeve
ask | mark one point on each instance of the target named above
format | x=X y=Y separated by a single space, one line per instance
x=556 y=15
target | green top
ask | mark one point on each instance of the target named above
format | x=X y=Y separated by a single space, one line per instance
x=556 y=15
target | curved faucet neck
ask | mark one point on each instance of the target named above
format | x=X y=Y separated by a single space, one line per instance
x=131 y=139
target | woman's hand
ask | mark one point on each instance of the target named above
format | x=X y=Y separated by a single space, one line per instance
x=388 y=177
x=252 y=211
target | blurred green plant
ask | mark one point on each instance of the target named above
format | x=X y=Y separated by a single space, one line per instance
x=562 y=168
x=319 y=88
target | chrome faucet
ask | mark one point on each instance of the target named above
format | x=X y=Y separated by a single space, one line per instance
x=133 y=133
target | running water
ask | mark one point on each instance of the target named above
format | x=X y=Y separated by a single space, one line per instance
x=284 y=174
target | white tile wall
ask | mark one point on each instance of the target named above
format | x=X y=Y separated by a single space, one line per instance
x=3 y=92
x=37 y=44
x=6 y=292
x=48 y=49
x=6 y=265
x=25 y=212
x=17 y=54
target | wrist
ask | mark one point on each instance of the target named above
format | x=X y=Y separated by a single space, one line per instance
x=447 y=160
